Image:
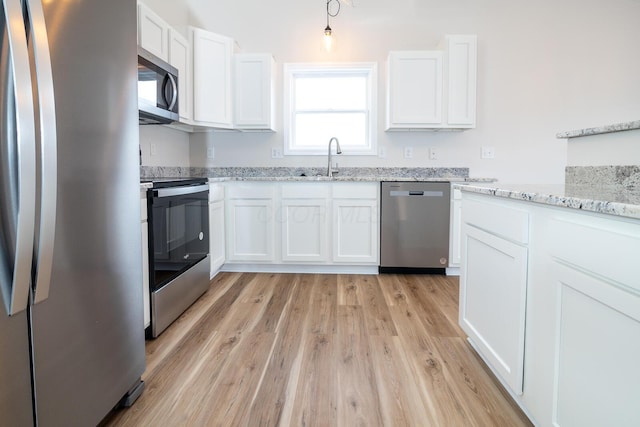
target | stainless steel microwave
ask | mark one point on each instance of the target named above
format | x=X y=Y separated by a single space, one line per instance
x=157 y=90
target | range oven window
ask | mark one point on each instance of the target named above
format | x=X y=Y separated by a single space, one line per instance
x=179 y=224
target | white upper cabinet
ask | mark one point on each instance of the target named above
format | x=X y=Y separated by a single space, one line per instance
x=153 y=32
x=212 y=56
x=254 y=78
x=414 y=89
x=180 y=57
x=433 y=89
x=461 y=60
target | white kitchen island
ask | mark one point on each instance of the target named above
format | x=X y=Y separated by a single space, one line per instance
x=550 y=298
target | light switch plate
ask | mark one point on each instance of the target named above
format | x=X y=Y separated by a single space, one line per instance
x=408 y=152
x=276 y=153
x=433 y=154
x=488 y=152
x=382 y=152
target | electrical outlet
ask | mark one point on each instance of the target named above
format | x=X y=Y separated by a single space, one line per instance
x=488 y=152
x=153 y=149
x=382 y=152
x=276 y=153
x=408 y=152
x=433 y=154
x=211 y=154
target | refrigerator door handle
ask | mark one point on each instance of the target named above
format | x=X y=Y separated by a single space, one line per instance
x=48 y=150
x=16 y=280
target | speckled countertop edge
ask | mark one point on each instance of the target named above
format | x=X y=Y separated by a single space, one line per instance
x=605 y=200
x=346 y=179
x=618 y=127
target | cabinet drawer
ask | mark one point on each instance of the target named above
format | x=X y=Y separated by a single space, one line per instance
x=352 y=190
x=305 y=191
x=216 y=192
x=497 y=218
x=251 y=191
x=608 y=248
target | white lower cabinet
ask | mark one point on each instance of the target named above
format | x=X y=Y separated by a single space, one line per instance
x=455 y=228
x=568 y=282
x=144 y=232
x=304 y=230
x=217 y=232
x=315 y=224
x=251 y=230
x=355 y=231
x=493 y=289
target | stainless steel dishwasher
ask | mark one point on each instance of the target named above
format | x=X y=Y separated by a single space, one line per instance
x=414 y=235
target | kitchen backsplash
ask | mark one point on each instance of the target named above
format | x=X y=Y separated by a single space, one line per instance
x=597 y=176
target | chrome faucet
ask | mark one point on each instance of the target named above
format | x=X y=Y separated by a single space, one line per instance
x=330 y=170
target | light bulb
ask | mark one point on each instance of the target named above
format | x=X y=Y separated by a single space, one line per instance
x=328 y=39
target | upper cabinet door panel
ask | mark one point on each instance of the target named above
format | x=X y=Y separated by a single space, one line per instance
x=212 y=55
x=180 y=57
x=153 y=32
x=254 y=80
x=462 y=71
x=415 y=89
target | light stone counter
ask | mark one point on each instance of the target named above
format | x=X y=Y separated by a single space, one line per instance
x=606 y=199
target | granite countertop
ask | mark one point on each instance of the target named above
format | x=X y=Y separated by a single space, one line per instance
x=346 y=179
x=617 y=127
x=610 y=200
x=313 y=174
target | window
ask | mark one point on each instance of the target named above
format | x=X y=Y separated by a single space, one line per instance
x=323 y=101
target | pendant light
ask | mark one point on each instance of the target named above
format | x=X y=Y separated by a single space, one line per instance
x=328 y=36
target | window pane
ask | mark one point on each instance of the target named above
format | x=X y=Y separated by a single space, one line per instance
x=315 y=130
x=326 y=93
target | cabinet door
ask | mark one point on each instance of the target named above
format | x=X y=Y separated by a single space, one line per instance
x=461 y=75
x=415 y=89
x=253 y=91
x=153 y=32
x=144 y=232
x=455 y=228
x=493 y=283
x=355 y=231
x=250 y=230
x=217 y=234
x=212 y=55
x=180 y=57
x=304 y=230
x=597 y=352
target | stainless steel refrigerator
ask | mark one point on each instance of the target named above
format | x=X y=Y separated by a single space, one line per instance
x=71 y=326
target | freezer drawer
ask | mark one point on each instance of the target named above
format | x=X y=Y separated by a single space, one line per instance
x=414 y=225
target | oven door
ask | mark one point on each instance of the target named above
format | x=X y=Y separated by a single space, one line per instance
x=179 y=224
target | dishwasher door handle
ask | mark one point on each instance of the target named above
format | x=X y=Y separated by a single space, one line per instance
x=395 y=193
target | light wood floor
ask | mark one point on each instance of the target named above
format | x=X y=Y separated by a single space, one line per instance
x=324 y=350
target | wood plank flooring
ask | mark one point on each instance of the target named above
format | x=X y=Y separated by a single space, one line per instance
x=319 y=350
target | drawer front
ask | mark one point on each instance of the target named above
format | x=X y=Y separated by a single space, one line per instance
x=305 y=191
x=251 y=190
x=608 y=248
x=356 y=190
x=216 y=192
x=497 y=218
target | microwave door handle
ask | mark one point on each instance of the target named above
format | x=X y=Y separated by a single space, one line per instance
x=16 y=266
x=48 y=150
x=174 y=91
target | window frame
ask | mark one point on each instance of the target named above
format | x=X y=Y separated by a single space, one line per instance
x=294 y=70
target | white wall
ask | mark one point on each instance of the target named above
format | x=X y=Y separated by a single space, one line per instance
x=543 y=67
x=621 y=148
x=163 y=146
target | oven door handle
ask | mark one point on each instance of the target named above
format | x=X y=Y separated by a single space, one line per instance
x=180 y=191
